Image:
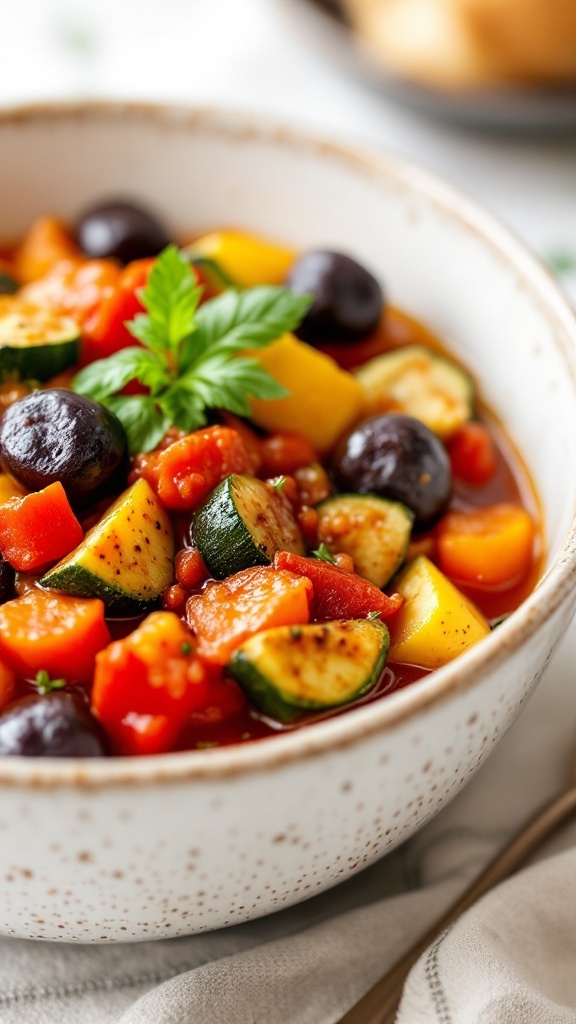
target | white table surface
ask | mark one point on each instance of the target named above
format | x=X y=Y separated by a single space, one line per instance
x=242 y=54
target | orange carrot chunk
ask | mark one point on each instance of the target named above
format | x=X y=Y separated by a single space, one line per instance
x=490 y=547
x=54 y=632
x=228 y=613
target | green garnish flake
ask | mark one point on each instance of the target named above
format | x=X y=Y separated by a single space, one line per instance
x=279 y=484
x=46 y=685
x=563 y=261
x=324 y=554
x=186 y=648
x=374 y=615
x=191 y=358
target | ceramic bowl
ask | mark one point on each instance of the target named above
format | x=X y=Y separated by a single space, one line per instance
x=144 y=848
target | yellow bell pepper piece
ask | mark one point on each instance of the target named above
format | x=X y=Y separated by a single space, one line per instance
x=324 y=400
x=9 y=488
x=247 y=259
x=436 y=622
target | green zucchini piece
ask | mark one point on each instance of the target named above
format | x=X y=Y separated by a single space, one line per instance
x=418 y=382
x=127 y=559
x=35 y=343
x=210 y=271
x=373 y=531
x=244 y=522
x=7 y=284
x=292 y=669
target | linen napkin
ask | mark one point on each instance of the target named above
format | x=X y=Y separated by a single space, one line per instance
x=509 y=959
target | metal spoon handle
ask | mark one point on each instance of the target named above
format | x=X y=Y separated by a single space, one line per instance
x=380 y=1003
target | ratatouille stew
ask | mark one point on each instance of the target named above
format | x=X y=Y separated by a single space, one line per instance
x=238 y=492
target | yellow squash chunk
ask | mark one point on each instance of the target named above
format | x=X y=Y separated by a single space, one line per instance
x=9 y=488
x=324 y=400
x=436 y=623
x=127 y=559
x=247 y=259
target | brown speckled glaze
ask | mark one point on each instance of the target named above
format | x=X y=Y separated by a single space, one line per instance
x=143 y=848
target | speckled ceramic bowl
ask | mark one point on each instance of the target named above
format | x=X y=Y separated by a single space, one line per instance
x=151 y=847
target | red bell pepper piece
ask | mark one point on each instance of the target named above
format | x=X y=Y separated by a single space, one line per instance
x=185 y=472
x=338 y=594
x=105 y=331
x=147 y=686
x=472 y=454
x=38 y=529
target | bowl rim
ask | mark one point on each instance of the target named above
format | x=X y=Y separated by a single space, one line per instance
x=465 y=672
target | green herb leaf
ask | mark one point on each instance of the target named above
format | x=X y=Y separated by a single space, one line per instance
x=374 y=615
x=279 y=484
x=171 y=297
x=143 y=420
x=192 y=358
x=324 y=554
x=46 y=685
x=108 y=376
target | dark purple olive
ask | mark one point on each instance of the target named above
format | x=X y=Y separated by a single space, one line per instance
x=7 y=576
x=347 y=303
x=59 y=435
x=57 y=724
x=399 y=458
x=121 y=231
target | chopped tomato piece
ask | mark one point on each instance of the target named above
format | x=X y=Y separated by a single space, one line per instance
x=284 y=453
x=45 y=244
x=147 y=686
x=489 y=547
x=252 y=442
x=39 y=528
x=6 y=684
x=338 y=594
x=472 y=454
x=185 y=472
x=227 y=613
x=75 y=288
x=105 y=331
x=54 y=632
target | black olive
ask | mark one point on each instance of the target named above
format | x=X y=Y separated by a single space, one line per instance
x=399 y=458
x=7 y=577
x=121 y=231
x=59 y=435
x=58 y=724
x=347 y=303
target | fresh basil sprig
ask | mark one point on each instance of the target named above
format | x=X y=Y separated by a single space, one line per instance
x=192 y=356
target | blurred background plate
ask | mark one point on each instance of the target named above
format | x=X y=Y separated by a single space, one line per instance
x=322 y=25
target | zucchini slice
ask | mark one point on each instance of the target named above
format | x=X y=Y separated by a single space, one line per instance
x=216 y=278
x=292 y=669
x=417 y=382
x=373 y=531
x=244 y=522
x=127 y=559
x=35 y=343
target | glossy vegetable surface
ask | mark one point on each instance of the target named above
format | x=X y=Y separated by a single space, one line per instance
x=206 y=467
x=57 y=436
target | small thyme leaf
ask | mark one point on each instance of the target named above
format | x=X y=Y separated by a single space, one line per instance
x=279 y=484
x=46 y=685
x=374 y=615
x=324 y=554
x=186 y=648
